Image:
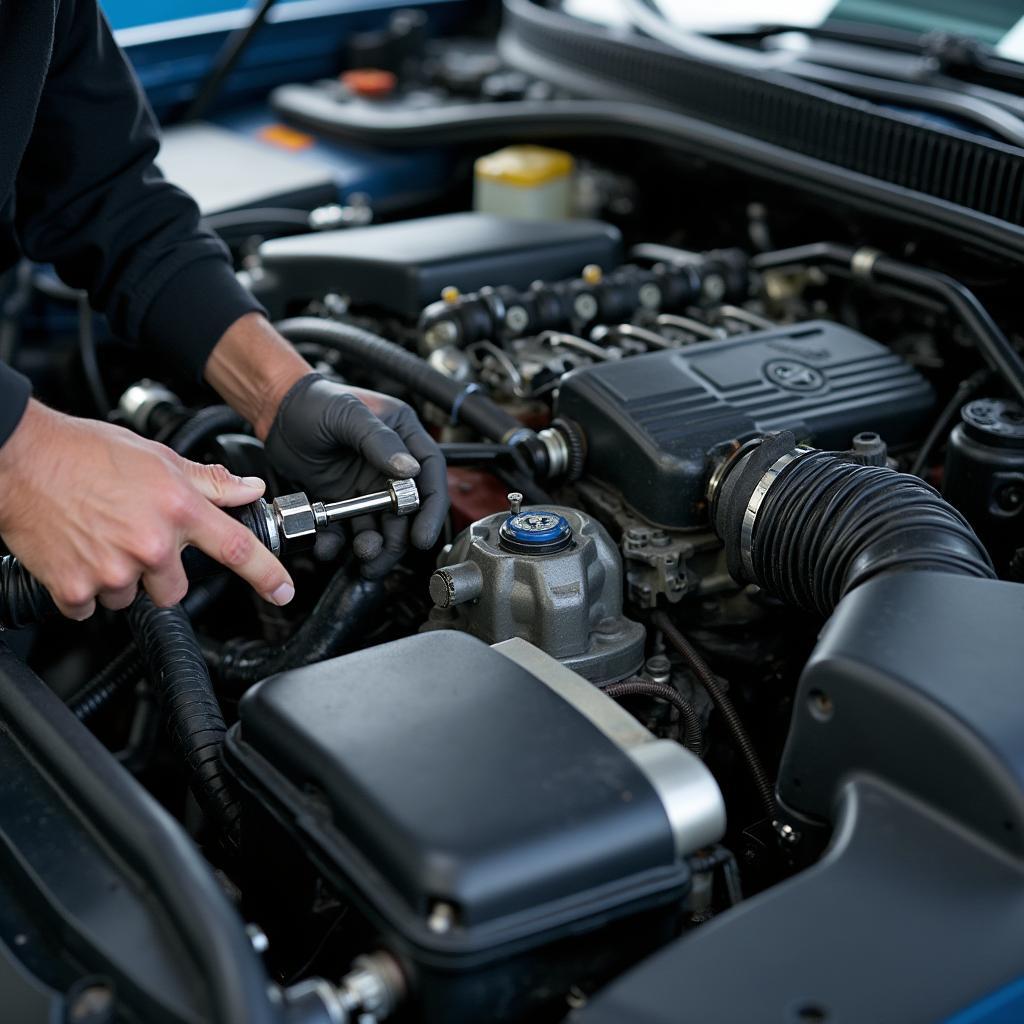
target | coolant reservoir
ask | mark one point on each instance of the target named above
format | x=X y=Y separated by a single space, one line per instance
x=531 y=182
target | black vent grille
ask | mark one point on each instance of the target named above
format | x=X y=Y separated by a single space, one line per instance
x=984 y=176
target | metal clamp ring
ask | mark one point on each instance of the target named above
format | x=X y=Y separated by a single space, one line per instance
x=771 y=474
x=468 y=390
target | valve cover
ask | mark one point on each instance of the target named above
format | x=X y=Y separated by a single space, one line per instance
x=652 y=422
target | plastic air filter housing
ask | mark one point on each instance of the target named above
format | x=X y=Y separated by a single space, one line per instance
x=653 y=421
x=478 y=805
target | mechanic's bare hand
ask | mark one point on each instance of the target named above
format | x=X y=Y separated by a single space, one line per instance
x=92 y=509
x=339 y=441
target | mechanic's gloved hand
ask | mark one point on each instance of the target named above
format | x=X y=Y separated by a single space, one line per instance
x=339 y=441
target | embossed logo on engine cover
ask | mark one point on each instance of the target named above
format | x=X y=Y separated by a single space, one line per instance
x=794 y=375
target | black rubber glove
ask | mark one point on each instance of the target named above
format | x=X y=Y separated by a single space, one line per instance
x=339 y=442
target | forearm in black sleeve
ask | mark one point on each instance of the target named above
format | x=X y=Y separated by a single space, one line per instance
x=15 y=391
x=91 y=201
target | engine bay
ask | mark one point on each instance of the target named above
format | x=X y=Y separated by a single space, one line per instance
x=716 y=668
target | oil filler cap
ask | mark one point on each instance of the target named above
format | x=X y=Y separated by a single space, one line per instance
x=535 y=532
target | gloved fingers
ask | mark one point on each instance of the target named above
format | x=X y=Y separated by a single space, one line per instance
x=367 y=541
x=375 y=441
x=329 y=543
x=433 y=487
x=395 y=530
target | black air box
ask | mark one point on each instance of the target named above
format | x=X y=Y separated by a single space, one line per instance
x=652 y=421
x=437 y=772
x=403 y=267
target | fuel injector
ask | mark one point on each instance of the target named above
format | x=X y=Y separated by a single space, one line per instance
x=290 y=523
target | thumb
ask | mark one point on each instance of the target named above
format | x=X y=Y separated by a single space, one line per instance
x=358 y=428
x=221 y=486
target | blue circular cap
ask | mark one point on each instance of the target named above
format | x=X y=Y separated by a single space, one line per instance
x=536 y=531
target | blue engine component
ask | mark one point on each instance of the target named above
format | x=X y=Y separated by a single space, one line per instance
x=536 y=533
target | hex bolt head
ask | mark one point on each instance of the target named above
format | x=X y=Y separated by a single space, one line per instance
x=296 y=519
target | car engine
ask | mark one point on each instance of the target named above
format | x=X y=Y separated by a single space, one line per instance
x=725 y=623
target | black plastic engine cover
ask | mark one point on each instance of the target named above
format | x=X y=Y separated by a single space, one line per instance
x=401 y=267
x=434 y=770
x=651 y=421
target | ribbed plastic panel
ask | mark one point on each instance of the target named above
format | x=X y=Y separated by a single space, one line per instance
x=652 y=421
x=984 y=176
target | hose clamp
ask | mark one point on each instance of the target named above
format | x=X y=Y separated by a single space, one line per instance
x=557 y=449
x=764 y=485
x=863 y=261
x=468 y=390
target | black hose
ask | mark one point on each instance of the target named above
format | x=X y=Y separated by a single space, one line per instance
x=97 y=693
x=89 y=357
x=259 y=221
x=24 y=601
x=503 y=461
x=466 y=403
x=824 y=524
x=699 y=667
x=340 y=617
x=993 y=344
x=638 y=687
x=206 y=423
x=127 y=667
x=181 y=682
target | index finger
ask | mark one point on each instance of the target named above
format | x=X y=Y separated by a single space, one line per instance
x=235 y=547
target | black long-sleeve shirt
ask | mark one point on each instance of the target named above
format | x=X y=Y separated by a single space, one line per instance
x=78 y=189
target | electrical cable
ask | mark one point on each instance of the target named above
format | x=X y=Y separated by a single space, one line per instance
x=964 y=392
x=699 y=667
x=636 y=686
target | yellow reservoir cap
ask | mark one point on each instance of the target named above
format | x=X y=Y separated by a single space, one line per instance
x=524 y=166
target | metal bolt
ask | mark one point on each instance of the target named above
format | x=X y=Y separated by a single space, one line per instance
x=444 y=332
x=585 y=306
x=1010 y=497
x=786 y=833
x=649 y=295
x=515 y=502
x=517 y=319
x=713 y=288
x=257 y=938
x=442 y=918
x=95 y=1002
